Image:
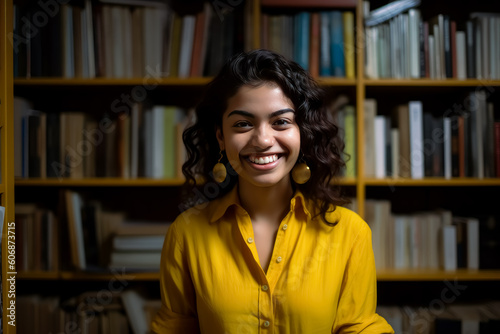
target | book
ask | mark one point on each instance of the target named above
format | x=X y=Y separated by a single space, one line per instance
x=337 y=44
x=349 y=49
x=416 y=139
x=370 y=112
x=74 y=204
x=138 y=243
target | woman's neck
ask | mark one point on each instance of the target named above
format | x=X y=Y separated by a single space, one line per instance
x=266 y=204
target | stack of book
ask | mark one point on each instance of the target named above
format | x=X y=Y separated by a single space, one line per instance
x=100 y=239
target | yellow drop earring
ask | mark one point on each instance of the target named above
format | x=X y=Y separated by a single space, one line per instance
x=219 y=171
x=301 y=172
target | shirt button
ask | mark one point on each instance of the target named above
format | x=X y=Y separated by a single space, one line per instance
x=250 y=240
x=285 y=227
x=265 y=287
x=266 y=323
x=279 y=259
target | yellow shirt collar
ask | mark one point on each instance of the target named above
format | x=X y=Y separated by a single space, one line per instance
x=219 y=206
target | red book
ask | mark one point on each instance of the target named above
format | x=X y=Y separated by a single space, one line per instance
x=314 y=48
x=453 y=31
x=195 y=70
x=497 y=149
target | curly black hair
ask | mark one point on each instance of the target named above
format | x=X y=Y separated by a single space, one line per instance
x=320 y=144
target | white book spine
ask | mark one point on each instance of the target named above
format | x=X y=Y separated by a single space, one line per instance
x=380 y=157
x=414 y=16
x=432 y=58
x=447 y=147
x=188 y=24
x=416 y=140
x=461 y=55
x=449 y=248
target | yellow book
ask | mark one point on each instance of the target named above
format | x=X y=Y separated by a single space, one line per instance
x=350 y=140
x=349 y=49
x=176 y=45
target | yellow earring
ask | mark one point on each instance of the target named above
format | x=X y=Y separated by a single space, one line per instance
x=301 y=173
x=219 y=171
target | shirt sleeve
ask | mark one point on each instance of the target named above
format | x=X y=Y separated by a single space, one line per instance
x=358 y=299
x=178 y=309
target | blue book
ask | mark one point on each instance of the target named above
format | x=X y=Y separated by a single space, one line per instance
x=325 y=64
x=337 y=45
x=302 y=30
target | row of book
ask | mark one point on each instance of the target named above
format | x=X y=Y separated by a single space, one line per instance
x=411 y=141
x=98 y=39
x=145 y=141
x=37 y=238
x=454 y=318
x=321 y=42
x=343 y=114
x=96 y=239
x=406 y=46
x=432 y=239
x=128 y=311
x=103 y=240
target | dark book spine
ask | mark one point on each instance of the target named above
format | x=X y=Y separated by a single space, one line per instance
x=455 y=160
x=497 y=148
x=421 y=35
x=33 y=158
x=471 y=50
x=447 y=47
x=53 y=145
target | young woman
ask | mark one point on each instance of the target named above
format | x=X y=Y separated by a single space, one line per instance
x=267 y=248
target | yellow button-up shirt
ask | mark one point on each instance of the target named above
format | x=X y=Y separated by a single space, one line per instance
x=320 y=279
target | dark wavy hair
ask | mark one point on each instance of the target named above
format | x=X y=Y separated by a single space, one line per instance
x=320 y=144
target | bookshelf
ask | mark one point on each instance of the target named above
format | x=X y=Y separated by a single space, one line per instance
x=6 y=155
x=178 y=89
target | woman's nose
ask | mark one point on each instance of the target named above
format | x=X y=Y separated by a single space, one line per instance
x=263 y=137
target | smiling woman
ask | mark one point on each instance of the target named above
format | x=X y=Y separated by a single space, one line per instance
x=268 y=250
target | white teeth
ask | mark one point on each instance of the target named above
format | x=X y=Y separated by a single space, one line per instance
x=263 y=160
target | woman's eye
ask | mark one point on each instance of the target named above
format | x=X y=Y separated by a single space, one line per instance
x=242 y=125
x=282 y=122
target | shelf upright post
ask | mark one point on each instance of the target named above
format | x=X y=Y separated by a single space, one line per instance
x=7 y=154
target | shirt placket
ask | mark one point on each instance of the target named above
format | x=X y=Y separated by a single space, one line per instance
x=267 y=282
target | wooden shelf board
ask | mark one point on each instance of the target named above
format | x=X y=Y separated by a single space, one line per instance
x=403 y=182
x=112 y=82
x=88 y=276
x=431 y=82
x=99 y=182
x=38 y=275
x=438 y=275
x=347 y=181
x=332 y=81
x=310 y=3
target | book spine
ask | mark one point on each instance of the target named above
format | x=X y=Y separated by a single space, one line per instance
x=448 y=61
x=497 y=148
x=471 y=50
x=416 y=140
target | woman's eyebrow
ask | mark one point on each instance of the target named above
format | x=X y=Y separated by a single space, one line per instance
x=250 y=115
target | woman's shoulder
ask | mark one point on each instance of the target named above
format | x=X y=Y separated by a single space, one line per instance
x=345 y=218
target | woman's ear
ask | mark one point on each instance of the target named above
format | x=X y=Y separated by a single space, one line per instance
x=220 y=138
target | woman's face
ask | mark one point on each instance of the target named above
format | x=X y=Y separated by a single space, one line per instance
x=259 y=135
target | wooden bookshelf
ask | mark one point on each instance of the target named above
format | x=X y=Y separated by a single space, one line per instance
x=359 y=87
x=111 y=82
x=438 y=275
x=7 y=160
